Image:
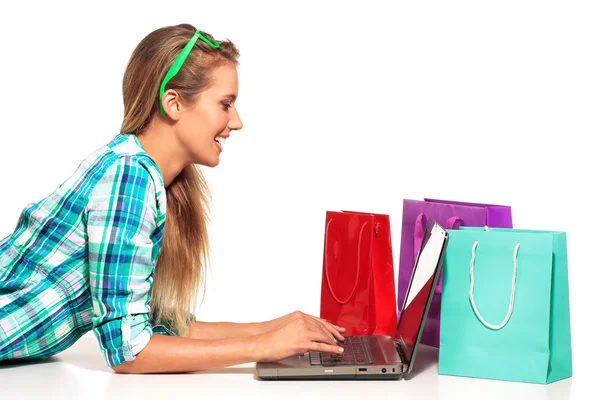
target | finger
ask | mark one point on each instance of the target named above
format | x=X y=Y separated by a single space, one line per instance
x=321 y=336
x=325 y=348
x=329 y=333
x=329 y=324
x=339 y=328
x=317 y=326
x=330 y=328
x=335 y=332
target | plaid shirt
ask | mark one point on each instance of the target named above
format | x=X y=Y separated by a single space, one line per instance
x=83 y=259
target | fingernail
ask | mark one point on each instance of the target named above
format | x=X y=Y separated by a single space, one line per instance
x=341 y=349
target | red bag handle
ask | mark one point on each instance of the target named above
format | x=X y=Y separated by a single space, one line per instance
x=342 y=302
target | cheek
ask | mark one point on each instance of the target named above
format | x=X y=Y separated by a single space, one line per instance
x=212 y=122
x=201 y=126
x=199 y=132
x=220 y=121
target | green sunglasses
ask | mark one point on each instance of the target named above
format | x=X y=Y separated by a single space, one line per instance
x=179 y=62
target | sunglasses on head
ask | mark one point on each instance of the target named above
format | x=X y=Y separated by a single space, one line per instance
x=179 y=62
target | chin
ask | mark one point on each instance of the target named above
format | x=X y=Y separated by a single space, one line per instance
x=209 y=163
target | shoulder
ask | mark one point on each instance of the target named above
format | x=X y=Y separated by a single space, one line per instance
x=123 y=169
x=128 y=150
x=126 y=181
x=124 y=173
x=129 y=153
x=124 y=159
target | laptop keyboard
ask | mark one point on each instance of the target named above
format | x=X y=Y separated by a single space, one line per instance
x=357 y=351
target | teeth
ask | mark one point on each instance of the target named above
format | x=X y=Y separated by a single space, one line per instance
x=221 y=140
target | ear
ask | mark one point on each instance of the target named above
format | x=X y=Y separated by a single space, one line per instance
x=171 y=102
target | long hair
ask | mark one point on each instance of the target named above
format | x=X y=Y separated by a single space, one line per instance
x=181 y=267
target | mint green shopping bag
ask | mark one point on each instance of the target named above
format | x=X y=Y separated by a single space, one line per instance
x=505 y=306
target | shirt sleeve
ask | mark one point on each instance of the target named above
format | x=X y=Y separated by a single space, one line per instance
x=121 y=219
x=164 y=327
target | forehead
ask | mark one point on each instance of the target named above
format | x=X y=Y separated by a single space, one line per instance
x=224 y=80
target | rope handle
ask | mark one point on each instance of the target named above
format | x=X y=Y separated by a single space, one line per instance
x=342 y=302
x=512 y=292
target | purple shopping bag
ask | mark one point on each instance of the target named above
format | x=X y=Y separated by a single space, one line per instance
x=451 y=215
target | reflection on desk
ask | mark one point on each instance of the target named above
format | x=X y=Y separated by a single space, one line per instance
x=81 y=373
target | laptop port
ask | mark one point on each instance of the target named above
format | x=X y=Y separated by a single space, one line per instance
x=362 y=370
x=384 y=370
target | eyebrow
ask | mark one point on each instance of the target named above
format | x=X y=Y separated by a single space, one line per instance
x=232 y=97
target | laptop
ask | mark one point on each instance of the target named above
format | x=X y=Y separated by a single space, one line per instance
x=376 y=357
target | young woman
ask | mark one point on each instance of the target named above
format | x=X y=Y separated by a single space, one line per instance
x=120 y=247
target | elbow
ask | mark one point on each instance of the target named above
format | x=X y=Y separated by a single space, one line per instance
x=127 y=367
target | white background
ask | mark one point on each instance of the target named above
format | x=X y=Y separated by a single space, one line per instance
x=346 y=105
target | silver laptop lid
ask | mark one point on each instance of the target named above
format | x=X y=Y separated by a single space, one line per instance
x=420 y=291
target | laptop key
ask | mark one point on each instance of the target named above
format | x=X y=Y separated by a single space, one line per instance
x=356 y=352
x=315 y=358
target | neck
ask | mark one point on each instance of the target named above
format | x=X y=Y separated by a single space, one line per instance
x=160 y=142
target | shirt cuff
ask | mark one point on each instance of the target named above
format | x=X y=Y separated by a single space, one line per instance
x=122 y=339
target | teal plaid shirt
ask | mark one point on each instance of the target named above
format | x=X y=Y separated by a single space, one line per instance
x=83 y=259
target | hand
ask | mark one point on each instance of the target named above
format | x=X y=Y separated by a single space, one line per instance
x=334 y=330
x=297 y=333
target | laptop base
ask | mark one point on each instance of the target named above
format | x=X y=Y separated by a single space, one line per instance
x=376 y=377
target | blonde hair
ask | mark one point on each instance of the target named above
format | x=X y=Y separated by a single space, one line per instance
x=181 y=266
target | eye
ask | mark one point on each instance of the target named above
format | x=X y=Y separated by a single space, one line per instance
x=226 y=106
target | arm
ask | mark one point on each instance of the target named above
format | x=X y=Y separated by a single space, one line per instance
x=298 y=333
x=120 y=225
x=120 y=218
x=168 y=354
x=218 y=330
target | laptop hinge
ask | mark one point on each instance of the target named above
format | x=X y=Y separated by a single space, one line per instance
x=403 y=357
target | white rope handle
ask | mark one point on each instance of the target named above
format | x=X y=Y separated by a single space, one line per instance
x=512 y=292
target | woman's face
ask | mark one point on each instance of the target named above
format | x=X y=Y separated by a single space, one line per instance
x=205 y=124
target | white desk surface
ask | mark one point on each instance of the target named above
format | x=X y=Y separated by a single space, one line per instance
x=80 y=373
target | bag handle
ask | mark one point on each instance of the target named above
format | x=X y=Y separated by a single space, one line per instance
x=342 y=302
x=512 y=292
x=419 y=234
x=452 y=223
x=421 y=224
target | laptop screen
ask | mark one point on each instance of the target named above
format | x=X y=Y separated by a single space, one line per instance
x=420 y=288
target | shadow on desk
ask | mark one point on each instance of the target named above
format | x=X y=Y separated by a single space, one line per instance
x=427 y=357
x=24 y=363
x=88 y=357
x=230 y=370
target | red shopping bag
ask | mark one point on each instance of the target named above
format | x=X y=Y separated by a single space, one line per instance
x=357 y=287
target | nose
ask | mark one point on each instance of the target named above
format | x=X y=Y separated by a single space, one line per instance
x=235 y=123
